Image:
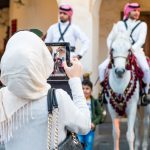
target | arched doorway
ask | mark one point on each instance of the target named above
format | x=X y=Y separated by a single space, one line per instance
x=145 y=16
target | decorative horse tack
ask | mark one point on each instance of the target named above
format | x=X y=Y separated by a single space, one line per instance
x=119 y=101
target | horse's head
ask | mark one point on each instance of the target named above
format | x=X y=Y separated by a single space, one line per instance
x=120 y=50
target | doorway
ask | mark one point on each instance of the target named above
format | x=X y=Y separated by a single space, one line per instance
x=145 y=16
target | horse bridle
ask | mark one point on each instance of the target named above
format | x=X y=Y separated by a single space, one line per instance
x=112 y=58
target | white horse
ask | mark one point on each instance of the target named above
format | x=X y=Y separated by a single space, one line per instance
x=143 y=120
x=121 y=88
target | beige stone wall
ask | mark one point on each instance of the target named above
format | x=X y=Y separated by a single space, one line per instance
x=34 y=14
x=95 y=6
x=108 y=16
x=4 y=22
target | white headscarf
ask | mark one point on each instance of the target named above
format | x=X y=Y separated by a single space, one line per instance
x=25 y=67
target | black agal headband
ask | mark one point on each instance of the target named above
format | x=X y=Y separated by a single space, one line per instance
x=134 y=6
x=65 y=9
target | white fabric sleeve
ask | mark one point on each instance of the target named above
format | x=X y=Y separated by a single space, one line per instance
x=83 y=39
x=109 y=40
x=49 y=36
x=76 y=115
x=112 y=35
x=141 y=37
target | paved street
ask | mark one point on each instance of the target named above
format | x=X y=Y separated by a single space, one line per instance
x=103 y=138
x=2 y=148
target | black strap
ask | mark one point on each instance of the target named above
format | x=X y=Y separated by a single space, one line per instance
x=133 y=41
x=62 y=34
x=135 y=27
x=51 y=100
x=125 y=23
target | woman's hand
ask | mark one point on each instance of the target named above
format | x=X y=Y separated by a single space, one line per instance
x=75 y=70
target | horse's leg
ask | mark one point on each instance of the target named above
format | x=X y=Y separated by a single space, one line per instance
x=115 y=127
x=137 y=130
x=146 y=124
x=131 y=112
x=116 y=133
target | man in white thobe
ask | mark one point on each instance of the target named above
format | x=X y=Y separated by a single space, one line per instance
x=65 y=31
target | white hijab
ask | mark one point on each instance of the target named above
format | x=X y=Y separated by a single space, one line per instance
x=25 y=67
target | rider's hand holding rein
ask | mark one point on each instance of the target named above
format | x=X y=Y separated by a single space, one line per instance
x=75 y=70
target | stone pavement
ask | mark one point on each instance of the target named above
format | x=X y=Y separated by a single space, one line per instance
x=2 y=147
x=103 y=137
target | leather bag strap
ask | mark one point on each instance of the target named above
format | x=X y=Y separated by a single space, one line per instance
x=52 y=111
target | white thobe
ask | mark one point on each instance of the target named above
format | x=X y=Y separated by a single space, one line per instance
x=72 y=35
